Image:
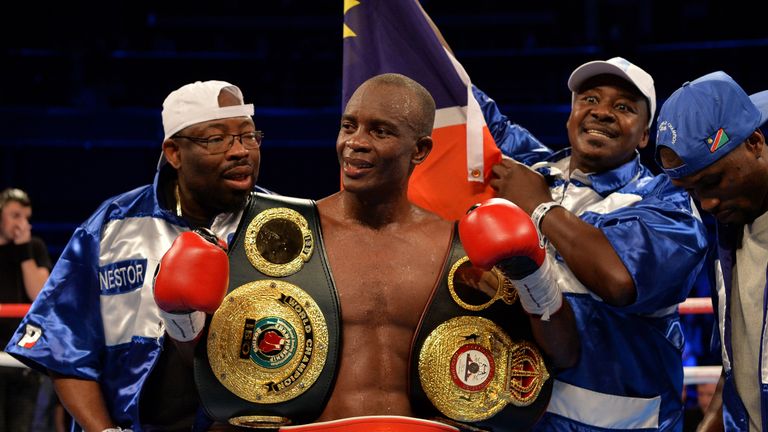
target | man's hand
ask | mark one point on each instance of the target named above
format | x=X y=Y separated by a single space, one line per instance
x=520 y=184
x=22 y=232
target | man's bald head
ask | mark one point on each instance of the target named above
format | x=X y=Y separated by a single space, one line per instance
x=419 y=104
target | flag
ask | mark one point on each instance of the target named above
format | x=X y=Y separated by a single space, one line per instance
x=383 y=36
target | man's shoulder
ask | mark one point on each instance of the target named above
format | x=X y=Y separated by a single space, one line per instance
x=140 y=201
x=330 y=207
x=431 y=225
x=129 y=198
x=35 y=240
x=435 y=219
x=650 y=185
x=655 y=194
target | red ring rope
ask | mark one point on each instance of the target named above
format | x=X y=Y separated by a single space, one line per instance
x=13 y=310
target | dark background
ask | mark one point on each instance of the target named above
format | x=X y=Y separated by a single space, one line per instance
x=83 y=82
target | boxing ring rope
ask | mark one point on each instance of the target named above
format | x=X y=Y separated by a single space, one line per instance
x=692 y=374
x=696 y=305
x=13 y=310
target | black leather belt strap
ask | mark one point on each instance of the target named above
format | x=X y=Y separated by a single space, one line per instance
x=314 y=278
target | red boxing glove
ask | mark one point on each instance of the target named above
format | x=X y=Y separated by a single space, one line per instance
x=497 y=230
x=498 y=233
x=191 y=280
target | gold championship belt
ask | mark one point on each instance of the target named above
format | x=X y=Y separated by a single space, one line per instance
x=270 y=354
x=267 y=342
x=278 y=242
x=474 y=359
x=467 y=284
x=470 y=369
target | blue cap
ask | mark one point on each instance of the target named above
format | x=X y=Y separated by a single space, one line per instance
x=705 y=119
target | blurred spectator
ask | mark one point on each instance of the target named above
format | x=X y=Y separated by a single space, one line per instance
x=24 y=268
x=704 y=393
x=694 y=412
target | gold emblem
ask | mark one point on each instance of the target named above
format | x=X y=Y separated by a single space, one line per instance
x=470 y=369
x=268 y=341
x=259 y=422
x=527 y=374
x=278 y=242
x=475 y=289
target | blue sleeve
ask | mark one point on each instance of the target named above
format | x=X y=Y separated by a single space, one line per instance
x=513 y=140
x=63 y=329
x=660 y=241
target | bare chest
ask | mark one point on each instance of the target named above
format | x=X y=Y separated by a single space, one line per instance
x=382 y=279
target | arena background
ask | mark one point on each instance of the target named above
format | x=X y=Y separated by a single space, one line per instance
x=83 y=82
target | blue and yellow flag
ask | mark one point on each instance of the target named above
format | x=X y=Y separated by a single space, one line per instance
x=382 y=36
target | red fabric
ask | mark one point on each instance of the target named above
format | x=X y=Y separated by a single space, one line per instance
x=440 y=183
x=374 y=424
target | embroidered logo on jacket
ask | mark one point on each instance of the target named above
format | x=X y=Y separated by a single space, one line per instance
x=122 y=276
x=31 y=335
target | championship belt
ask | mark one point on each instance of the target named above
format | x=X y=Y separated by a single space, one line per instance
x=474 y=359
x=270 y=354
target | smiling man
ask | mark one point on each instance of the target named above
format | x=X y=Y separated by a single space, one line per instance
x=628 y=247
x=387 y=254
x=709 y=143
x=372 y=285
x=95 y=327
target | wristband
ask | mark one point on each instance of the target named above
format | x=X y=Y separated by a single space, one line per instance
x=539 y=292
x=183 y=327
x=23 y=251
x=537 y=216
x=117 y=429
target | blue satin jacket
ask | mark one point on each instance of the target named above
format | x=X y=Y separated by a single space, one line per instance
x=96 y=317
x=630 y=373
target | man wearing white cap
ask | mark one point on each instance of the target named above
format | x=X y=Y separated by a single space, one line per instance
x=95 y=327
x=709 y=142
x=627 y=246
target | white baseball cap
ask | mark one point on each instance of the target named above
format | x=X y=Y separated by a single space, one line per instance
x=622 y=68
x=199 y=102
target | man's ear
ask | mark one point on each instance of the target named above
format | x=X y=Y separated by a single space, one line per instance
x=423 y=148
x=644 y=139
x=172 y=153
x=755 y=143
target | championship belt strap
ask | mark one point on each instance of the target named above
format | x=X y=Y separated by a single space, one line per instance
x=270 y=354
x=474 y=359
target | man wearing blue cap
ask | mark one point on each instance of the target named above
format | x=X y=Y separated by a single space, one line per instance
x=709 y=143
x=627 y=246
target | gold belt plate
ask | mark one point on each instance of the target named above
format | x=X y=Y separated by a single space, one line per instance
x=278 y=242
x=268 y=341
x=470 y=369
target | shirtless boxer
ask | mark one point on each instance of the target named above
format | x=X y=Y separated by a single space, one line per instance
x=386 y=255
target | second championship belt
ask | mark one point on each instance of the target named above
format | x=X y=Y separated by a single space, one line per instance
x=270 y=354
x=474 y=359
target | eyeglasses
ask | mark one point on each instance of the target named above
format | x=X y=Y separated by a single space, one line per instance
x=221 y=143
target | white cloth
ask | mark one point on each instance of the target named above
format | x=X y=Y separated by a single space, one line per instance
x=747 y=295
x=539 y=293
